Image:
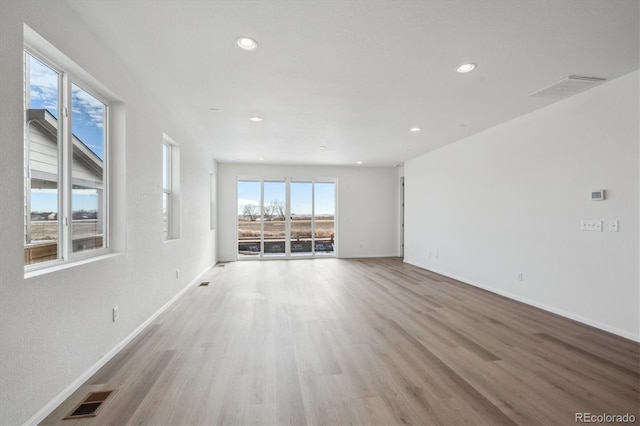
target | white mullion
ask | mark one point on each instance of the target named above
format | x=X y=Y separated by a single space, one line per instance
x=26 y=93
x=261 y=218
x=335 y=218
x=313 y=217
x=64 y=163
x=287 y=217
x=106 y=174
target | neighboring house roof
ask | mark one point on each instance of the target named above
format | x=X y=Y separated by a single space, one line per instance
x=48 y=124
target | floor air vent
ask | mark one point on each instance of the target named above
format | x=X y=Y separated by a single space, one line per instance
x=91 y=405
x=204 y=284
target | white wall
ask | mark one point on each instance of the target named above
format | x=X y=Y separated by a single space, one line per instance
x=57 y=326
x=367 y=206
x=511 y=199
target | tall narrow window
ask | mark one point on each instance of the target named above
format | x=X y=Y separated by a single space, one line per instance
x=166 y=190
x=212 y=201
x=170 y=189
x=65 y=162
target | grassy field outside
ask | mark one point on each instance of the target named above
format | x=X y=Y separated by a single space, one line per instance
x=300 y=228
x=47 y=230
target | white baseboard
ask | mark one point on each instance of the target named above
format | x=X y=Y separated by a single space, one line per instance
x=69 y=390
x=605 y=327
x=367 y=256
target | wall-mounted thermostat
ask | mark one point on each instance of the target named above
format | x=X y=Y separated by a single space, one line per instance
x=597 y=195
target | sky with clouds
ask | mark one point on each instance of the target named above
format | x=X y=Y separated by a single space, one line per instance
x=87 y=124
x=249 y=193
x=87 y=112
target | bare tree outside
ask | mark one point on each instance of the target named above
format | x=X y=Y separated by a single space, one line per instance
x=277 y=209
x=250 y=211
x=268 y=212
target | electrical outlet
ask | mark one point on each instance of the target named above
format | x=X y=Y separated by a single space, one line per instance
x=116 y=313
x=520 y=276
x=614 y=226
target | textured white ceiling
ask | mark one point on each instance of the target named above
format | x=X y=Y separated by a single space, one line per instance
x=355 y=76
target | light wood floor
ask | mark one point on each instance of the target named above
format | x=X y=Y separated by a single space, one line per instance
x=369 y=341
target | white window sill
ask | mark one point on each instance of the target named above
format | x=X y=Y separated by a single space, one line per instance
x=59 y=266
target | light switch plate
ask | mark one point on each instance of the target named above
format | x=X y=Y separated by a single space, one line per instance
x=591 y=225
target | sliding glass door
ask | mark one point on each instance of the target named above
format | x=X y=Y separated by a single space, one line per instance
x=249 y=218
x=274 y=218
x=283 y=218
x=301 y=218
x=324 y=218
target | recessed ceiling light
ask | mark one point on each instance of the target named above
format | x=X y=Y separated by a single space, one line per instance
x=323 y=147
x=260 y=158
x=215 y=109
x=358 y=162
x=415 y=129
x=466 y=67
x=256 y=119
x=246 y=43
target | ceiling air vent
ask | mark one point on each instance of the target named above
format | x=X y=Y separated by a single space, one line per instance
x=568 y=86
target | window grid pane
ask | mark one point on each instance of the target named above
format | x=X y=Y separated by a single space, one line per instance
x=324 y=217
x=165 y=215
x=249 y=218
x=166 y=166
x=88 y=117
x=42 y=159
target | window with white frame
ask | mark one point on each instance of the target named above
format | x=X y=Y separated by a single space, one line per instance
x=170 y=189
x=166 y=190
x=66 y=155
